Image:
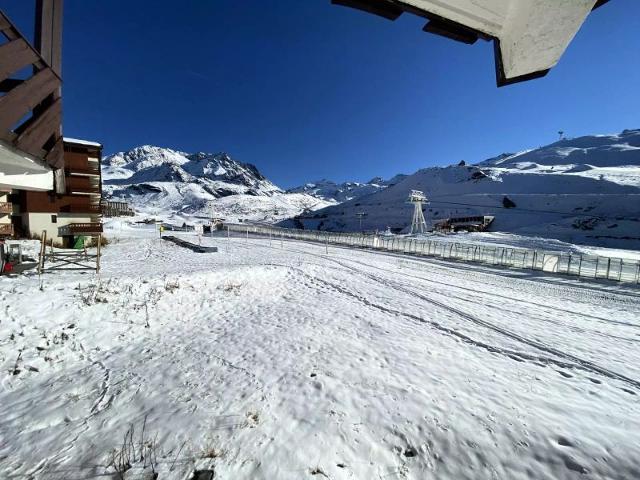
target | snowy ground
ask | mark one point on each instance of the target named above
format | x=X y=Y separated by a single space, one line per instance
x=282 y=362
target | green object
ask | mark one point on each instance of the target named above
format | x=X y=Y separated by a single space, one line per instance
x=79 y=243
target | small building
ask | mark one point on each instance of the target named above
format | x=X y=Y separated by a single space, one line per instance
x=464 y=224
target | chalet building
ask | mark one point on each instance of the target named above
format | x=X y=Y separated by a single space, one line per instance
x=48 y=183
x=76 y=212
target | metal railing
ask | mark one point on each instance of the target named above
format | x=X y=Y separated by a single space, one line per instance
x=586 y=266
x=6 y=229
x=82 y=208
x=80 y=229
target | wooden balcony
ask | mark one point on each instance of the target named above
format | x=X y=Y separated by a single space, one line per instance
x=6 y=208
x=6 y=230
x=93 y=228
x=82 y=185
x=88 y=208
x=83 y=169
x=36 y=99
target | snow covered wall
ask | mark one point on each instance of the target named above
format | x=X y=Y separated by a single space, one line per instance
x=582 y=190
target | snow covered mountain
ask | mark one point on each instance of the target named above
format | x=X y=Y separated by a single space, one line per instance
x=167 y=183
x=342 y=192
x=584 y=190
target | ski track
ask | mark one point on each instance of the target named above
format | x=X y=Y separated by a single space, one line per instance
x=577 y=361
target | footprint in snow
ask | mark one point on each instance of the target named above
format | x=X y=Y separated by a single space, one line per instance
x=564 y=442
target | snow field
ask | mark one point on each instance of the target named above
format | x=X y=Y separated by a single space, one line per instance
x=290 y=363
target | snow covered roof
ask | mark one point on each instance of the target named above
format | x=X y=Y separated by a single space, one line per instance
x=529 y=36
x=82 y=142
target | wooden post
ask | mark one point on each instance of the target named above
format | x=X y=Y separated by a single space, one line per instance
x=48 y=32
x=43 y=249
x=98 y=253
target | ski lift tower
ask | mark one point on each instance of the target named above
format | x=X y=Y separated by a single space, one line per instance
x=418 y=224
x=360 y=216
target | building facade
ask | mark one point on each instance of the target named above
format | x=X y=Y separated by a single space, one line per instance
x=65 y=216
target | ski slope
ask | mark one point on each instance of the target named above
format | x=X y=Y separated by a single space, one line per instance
x=280 y=359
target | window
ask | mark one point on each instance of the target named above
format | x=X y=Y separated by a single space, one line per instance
x=54 y=219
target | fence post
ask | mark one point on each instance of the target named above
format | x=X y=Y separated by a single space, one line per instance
x=98 y=253
x=43 y=251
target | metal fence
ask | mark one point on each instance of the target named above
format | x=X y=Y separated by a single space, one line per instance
x=588 y=266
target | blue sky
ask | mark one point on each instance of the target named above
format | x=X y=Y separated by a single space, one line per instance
x=307 y=90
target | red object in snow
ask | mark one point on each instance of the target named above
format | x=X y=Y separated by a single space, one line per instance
x=8 y=267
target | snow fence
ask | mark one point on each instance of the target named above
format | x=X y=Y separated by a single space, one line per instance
x=588 y=266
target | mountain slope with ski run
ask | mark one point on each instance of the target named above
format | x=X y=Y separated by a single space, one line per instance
x=582 y=190
x=341 y=192
x=166 y=183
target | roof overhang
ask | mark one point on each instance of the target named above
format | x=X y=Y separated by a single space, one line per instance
x=529 y=36
x=82 y=143
x=22 y=171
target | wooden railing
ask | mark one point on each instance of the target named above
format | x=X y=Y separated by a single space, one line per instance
x=117 y=209
x=82 y=208
x=80 y=229
x=81 y=184
x=6 y=207
x=86 y=169
x=38 y=95
x=6 y=229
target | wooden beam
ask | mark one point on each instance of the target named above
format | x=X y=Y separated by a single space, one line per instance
x=38 y=131
x=56 y=47
x=19 y=101
x=55 y=157
x=4 y=22
x=48 y=32
x=14 y=56
x=383 y=8
x=42 y=31
x=449 y=29
x=12 y=33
